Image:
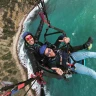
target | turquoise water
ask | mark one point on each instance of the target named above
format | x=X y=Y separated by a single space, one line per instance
x=78 y=19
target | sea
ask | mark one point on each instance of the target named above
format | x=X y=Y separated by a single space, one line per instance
x=78 y=19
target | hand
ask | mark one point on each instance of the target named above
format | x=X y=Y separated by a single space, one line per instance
x=40 y=80
x=39 y=73
x=65 y=40
x=58 y=70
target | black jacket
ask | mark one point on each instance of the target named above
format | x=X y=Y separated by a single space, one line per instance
x=33 y=55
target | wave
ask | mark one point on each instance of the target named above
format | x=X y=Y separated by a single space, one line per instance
x=22 y=52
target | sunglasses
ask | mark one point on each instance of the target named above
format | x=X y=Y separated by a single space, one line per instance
x=30 y=37
x=48 y=54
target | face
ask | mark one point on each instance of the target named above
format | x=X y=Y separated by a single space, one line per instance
x=29 y=39
x=49 y=52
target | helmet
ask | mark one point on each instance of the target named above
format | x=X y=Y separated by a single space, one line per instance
x=42 y=49
x=25 y=34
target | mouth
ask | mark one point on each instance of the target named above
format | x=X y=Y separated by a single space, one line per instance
x=31 y=41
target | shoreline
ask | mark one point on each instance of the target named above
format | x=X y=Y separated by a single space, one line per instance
x=15 y=54
x=15 y=51
x=9 y=41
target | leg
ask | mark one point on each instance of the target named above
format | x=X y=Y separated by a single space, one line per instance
x=71 y=48
x=87 y=45
x=81 y=69
x=76 y=48
x=83 y=55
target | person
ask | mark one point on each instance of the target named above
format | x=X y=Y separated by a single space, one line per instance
x=63 y=38
x=32 y=49
x=32 y=46
x=58 y=60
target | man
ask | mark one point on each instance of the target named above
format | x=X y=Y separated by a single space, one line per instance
x=32 y=49
x=59 y=59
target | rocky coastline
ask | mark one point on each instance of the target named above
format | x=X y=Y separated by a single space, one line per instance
x=12 y=15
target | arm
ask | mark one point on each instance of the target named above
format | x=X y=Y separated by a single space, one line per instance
x=58 y=70
x=33 y=61
x=61 y=38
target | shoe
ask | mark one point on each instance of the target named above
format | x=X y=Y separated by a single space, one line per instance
x=88 y=44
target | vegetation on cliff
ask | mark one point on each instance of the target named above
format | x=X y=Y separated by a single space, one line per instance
x=11 y=13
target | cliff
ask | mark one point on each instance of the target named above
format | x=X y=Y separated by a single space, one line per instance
x=11 y=14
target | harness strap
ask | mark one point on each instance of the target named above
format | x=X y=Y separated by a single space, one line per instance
x=39 y=30
x=18 y=84
x=44 y=10
x=73 y=59
x=55 y=28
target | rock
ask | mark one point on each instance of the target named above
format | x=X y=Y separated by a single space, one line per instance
x=1 y=32
x=1 y=11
